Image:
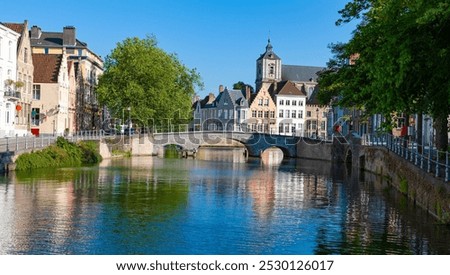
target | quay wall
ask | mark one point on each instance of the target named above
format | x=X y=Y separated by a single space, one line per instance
x=422 y=188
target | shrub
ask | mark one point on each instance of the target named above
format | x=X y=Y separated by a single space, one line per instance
x=61 y=154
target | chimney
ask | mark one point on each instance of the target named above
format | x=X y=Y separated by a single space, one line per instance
x=35 y=32
x=69 y=36
x=221 y=88
x=247 y=92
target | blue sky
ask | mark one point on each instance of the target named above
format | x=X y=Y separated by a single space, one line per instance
x=222 y=39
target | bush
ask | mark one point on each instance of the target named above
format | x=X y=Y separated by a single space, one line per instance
x=62 y=154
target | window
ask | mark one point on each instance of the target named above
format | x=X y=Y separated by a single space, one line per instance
x=293 y=128
x=294 y=102
x=231 y=114
x=46 y=50
x=308 y=114
x=300 y=103
x=260 y=114
x=266 y=114
x=25 y=55
x=35 y=116
x=272 y=69
x=300 y=114
x=294 y=114
x=281 y=102
x=288 y=102
x=8 y=107
x=253 y=113
x=225 y=113
x=266 y=102
x=10 y=50
x=260 y=127
x=272 y=114
x=287 y=114
x=300 y=127
x=286 y=128
x=322 y=125
x=324 y=114
x=280 y=128
x=280 y=113
x=260 y=102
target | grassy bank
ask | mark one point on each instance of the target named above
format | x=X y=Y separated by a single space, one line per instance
x=61 y=154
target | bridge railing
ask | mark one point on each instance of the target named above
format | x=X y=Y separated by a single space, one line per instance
x=18 y=144
x=25 y=143
x=426 y=157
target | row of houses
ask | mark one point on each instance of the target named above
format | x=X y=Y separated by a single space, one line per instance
x=47 y=82
x=284 y=102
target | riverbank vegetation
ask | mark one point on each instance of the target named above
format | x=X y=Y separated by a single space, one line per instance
x=61 y=154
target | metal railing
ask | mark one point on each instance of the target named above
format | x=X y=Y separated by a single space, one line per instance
x=425 y=157
x=21 y=144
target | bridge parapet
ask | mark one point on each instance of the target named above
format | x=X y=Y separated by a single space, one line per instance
x=255 y=142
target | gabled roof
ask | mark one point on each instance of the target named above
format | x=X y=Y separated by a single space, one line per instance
x=53 y=39
x=237 y=97
x=288 y=88
x=300 y=73
x=17 y=27
x=46 y=67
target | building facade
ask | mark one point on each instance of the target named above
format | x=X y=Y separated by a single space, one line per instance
x=226 y=112
x=291 y=108
x=87 y=65
x=9 y=87
x=50 y=107
x=25 y=71
x=262 y=110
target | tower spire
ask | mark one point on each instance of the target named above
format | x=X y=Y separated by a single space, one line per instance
x=269 y=48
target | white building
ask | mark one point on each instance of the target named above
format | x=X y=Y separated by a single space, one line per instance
x=8 y=79
x=291 y=109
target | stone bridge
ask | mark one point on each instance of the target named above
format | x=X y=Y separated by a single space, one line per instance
x=255 y=143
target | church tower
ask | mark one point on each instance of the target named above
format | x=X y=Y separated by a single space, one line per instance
x=268 y=67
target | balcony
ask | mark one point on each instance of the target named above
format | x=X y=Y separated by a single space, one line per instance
x=12 y=95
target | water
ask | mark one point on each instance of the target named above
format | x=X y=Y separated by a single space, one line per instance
x=150 y=205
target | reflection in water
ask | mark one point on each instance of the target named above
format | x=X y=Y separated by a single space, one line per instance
x=149 y=205
x=228 y=154
x=272 y=156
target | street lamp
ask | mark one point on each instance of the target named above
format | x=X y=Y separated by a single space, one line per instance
x=129 y=120
x=317 y=124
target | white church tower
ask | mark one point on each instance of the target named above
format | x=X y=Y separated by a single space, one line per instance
x=268 y=67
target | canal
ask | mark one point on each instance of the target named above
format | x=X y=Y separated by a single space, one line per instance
x=151 y=205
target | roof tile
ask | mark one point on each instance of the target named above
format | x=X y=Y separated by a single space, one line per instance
x=46 y=67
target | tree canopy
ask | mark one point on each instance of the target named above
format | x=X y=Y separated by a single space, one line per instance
x=396 y=61
x=153 y=85
x=240 y=85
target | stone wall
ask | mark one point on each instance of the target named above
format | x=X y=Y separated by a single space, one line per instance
x=5 y=161
x=431 y=193
x=311 y=149
x=142 y=146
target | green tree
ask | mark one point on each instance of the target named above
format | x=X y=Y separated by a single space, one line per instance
x=155 y=85
x=401 y=51
x=241 y=86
